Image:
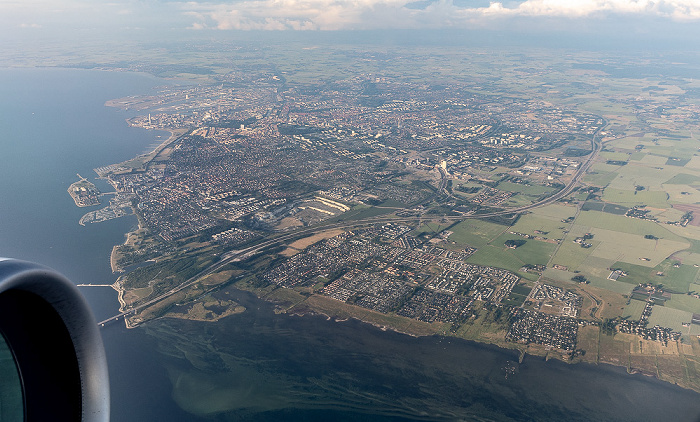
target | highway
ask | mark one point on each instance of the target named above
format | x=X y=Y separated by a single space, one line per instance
x=596 y=146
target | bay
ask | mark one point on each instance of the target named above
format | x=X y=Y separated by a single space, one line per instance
x=259 y=365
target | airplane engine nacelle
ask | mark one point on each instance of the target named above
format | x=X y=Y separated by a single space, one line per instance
x=52 y=340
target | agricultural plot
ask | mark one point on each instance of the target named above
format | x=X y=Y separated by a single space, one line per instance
x=519 y=200
x=677 y=161
x=683 y=194
x=630 y=142
x=601 y=167
x=599 y=178
x=570 y=254
x=530 y=190
x=649 y=177
x=532 y=252
x=657 y=199
x=633 y=249
x=636 y=274
x=675 y=278
x=665 y=215
x=613 y=351
x=587 y=340
x=685 y=302
x=633 y=311
x=615 y=156
x=597 y=266
x=604 y=207
x=476 y=233
x=694 y=163
x=654 y=159
x=540 y=226
x=643 y=364
x=500 y=257
x=624 y=224
x=683 y=179
x=517 y=295
x=669 y=317
x=611 y=285
x=555 y=212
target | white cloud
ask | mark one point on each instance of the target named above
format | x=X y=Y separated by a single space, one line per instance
x=366 y=14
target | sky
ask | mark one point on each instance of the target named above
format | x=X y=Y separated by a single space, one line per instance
x=653 y=18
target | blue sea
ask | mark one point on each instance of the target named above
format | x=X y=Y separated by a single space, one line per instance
x=258 y=365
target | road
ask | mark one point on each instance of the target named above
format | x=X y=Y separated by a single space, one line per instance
x=596 y=146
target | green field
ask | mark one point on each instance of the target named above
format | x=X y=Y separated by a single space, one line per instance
x=625 y=225
x=676 y=279
x=530 y=223
x=633 y=311
x=632 y=248
x=571 y=255
x=599 y=178
x=669 y=317
x=604 y=207
x=603 y=283
x=500 y=257
x=685 y=303
x=617 y=156
x=476 y=233
x=683 y=179
x=532 y=190
x=657 y=199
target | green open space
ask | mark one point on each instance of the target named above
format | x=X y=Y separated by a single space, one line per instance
x=683 y=179
x=533 y=190
x=602 y=167
x=556 y=211
x=571 y=255
x=658 y=199
x=431 y=228
x=476 y=233
x=654 y=159
x=682 y=194
x=546 y=227
x=693 y=164
x=677 y=161
x=614 y=156
x=500 y=257
x=363 y=211
x=515 y=299
x=603 y=283
x=632 y=248
x=633 y=311
x=604 y=207
x=669 y=317
x=519 y=200
x=624 y=224
x=685 y=302
x=599 y=178
x=676 y=278
x=532 y=252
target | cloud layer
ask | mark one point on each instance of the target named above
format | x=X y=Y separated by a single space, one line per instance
x=333 y=14
x=398 y=14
